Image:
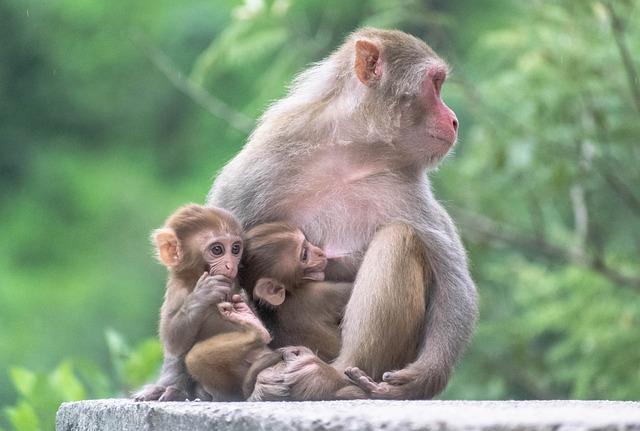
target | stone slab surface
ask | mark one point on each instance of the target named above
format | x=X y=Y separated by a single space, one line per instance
x=122 y=415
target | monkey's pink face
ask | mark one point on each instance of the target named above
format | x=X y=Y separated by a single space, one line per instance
x=434 y=126
x=406 y=81
x=442 y=123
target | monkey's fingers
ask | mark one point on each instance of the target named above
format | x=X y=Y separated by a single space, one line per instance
x=202 y=277
x=222 y=280
x=361 y=379
x=236 y=298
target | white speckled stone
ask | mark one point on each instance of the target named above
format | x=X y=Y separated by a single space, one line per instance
x=122 y=415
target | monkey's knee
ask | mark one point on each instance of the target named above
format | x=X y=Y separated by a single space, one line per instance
x=388 y=303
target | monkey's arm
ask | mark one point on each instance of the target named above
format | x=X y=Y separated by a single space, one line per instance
x=451 y=311
x=184 y=312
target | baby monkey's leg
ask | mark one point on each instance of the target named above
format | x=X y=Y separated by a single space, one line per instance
x=220 y=363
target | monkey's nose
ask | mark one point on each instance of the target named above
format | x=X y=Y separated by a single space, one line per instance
x=455 y=124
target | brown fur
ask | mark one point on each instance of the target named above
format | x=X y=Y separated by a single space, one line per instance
x=220 y=363
x=191 y=325
x=312 y=311
x=273 y=252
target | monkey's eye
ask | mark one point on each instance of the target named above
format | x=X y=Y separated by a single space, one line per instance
x=217 y=249
x=235 y=248
x=305 y=254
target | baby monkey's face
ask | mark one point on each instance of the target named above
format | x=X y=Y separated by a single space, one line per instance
x=221 y=253
x=311 y=258
x=297 y=260
x=280 y=259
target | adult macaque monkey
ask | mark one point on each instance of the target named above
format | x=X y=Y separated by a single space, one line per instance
x=343 y=157
x=201 y=248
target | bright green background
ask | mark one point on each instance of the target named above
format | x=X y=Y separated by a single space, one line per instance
x=99 y=142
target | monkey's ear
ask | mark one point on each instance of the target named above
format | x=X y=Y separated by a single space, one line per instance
x=167 y=245
x=270 y=290
x=368 y=64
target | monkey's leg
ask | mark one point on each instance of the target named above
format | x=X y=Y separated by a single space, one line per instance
x=219 y=363
x=381 y=329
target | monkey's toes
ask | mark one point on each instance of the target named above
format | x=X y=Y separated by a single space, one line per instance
x=173 y=394
x=358 y=376
x=236 y=298
x=149 y=393
x=397 y=377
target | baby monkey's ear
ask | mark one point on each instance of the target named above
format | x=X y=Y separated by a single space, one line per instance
x=167 y=246
x=270 y=290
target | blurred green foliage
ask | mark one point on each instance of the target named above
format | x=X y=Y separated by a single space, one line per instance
x=107 y=126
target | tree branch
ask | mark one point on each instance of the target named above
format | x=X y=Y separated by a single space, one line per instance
x=622 y=190
x=617 y=28
x=480 y=228
x=199 y=95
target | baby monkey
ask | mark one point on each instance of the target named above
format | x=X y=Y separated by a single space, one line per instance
x=284 y=275
x=203 y=317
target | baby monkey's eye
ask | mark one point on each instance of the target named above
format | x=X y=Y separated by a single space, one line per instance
x=217 y=249
x=305 y=254
x=235 y=248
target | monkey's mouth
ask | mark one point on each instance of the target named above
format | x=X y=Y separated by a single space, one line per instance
x=314 y=276
x=444 y=142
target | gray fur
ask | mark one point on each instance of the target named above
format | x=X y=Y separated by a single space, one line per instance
x=337 y=160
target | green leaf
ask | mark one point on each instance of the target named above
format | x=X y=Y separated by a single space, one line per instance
x=143 y=363
x=23 y=417
x=66 y=382
x=23 y=380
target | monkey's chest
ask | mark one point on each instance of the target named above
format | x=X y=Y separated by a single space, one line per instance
x=342 y=219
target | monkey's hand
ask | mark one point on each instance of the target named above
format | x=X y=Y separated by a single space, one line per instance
x=210 y=290
x=405 y=384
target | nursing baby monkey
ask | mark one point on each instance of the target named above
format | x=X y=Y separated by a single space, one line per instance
x=284 y=274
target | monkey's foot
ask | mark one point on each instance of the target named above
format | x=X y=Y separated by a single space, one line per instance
x=149 y=393
x=398 y=385
x=173 y=393
x=361 y=379
x=201 y=394
x=239 y=312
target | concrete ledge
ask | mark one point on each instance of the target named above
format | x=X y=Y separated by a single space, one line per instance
x=120 y=415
